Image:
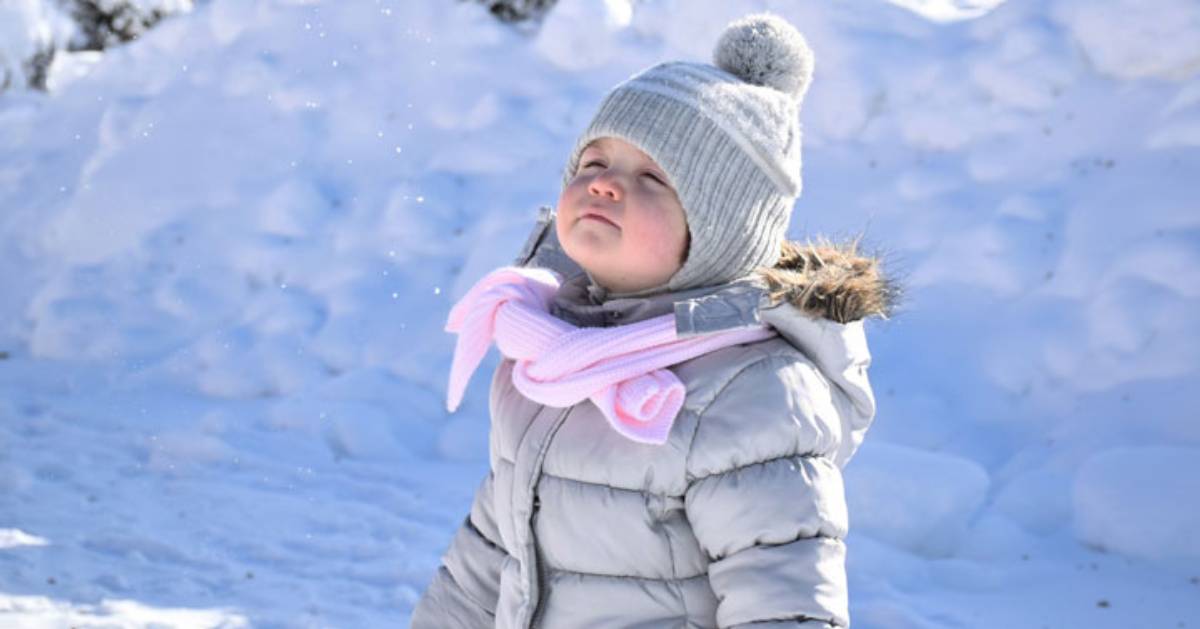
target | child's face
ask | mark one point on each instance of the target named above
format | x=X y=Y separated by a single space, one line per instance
x=620 y=219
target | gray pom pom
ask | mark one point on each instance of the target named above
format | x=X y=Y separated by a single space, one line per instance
x=764 y=49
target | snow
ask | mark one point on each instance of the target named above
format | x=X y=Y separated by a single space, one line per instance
x=12 y=538
x=917 y=500
x=21 y=612
x=29 y=28
x=1127 y=499
x=227 y=250
x=1130 y=40
x=949 y=11
x=558 y=37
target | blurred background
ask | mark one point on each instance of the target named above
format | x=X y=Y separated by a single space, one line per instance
x=231 y=230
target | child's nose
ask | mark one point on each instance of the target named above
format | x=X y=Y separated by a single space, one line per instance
x=606 y=184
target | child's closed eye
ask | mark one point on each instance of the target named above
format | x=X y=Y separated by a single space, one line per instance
x=654 y=177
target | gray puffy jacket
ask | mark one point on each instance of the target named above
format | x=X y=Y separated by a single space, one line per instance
x=738 y=520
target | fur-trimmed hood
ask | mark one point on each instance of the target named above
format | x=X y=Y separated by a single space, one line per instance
x=831 y=281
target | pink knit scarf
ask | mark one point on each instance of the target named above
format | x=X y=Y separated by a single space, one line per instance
x=621 y=369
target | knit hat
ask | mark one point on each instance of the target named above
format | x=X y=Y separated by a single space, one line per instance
x=728 y=137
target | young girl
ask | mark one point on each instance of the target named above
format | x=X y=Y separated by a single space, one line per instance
x=680 y=386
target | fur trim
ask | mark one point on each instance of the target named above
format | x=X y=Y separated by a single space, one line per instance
x=831 y=281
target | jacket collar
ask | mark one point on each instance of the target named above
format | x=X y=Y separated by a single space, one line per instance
x=583 y=303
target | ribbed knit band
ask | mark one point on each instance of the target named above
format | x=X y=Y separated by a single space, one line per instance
x=732 y=155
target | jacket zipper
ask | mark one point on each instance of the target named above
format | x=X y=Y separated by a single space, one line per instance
x=539 y=608
x=534 y=623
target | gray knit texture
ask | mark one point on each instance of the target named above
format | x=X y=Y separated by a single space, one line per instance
x=728 y=138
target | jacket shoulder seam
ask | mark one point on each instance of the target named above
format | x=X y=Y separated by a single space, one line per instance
x=833 y=539
x=740 y=466
x=702 y=575
x=603 y=485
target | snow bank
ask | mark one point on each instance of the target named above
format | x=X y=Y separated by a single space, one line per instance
x=918 y=500
x=1140 y=501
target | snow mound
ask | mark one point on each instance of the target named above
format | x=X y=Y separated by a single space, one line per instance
x=1140 y=501
x=921 y=501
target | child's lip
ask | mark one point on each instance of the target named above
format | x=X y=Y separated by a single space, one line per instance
x=598 y=216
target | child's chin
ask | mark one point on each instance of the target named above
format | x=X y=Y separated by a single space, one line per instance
x=594 y=259
x=593 y=243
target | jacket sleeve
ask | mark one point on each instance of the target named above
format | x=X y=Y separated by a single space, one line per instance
x=463 y=592
x=766 y=499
